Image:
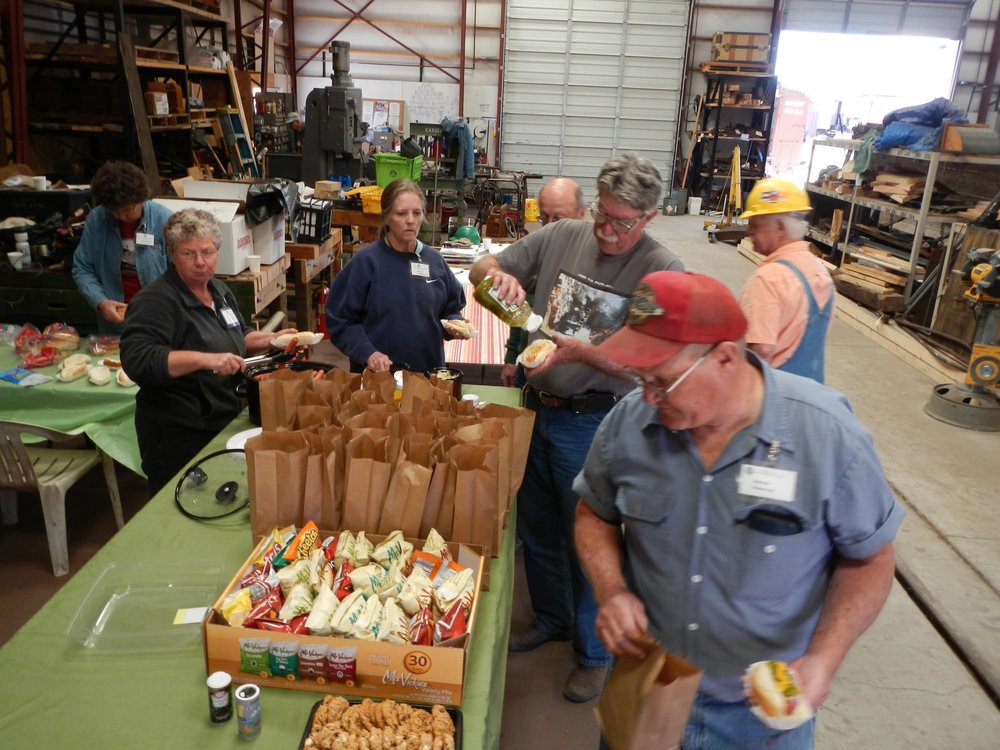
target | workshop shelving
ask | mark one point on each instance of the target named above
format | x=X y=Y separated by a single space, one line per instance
x=86 y=75
x=737 y=109
x=883 y=211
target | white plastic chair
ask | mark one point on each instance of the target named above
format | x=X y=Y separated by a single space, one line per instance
x=50 y=472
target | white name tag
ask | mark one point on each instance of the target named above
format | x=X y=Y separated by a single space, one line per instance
x=144 y=238
x=230 y=317
x=420 y=269
x=767 y=483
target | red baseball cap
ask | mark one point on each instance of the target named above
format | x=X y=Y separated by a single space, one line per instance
x=670 y=310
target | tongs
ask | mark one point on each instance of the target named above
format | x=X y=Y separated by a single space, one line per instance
x=272 y=358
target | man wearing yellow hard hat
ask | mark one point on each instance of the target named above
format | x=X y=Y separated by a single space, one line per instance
x=788 y=301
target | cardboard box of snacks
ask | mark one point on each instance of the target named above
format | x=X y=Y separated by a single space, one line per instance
x=347 y=666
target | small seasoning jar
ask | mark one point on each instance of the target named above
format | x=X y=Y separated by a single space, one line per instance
x=220 y=697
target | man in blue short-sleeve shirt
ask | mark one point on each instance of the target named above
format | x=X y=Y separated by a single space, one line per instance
x=735 y=512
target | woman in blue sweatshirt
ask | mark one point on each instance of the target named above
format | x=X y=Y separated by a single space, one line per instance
x=385 y=308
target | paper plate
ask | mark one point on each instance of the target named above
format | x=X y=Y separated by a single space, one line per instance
x=237 y=441
x=305 y=338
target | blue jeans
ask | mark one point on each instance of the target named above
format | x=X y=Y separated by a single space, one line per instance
x=561 y=596
x=714 y=725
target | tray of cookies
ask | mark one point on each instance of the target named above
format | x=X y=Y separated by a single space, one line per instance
x=337 y=723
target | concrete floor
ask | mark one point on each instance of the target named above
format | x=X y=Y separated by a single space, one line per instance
x=902 y=686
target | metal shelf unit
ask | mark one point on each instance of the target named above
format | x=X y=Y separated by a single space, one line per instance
x=926 y=161
x=722 y=109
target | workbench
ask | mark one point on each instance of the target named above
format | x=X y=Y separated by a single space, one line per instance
x=367 y=224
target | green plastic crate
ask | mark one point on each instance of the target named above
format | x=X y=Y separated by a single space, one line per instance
x=389 y=167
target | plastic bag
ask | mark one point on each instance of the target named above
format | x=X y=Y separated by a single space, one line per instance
x=271 y=198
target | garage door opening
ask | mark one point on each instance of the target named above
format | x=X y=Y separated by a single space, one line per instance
x=828 y=83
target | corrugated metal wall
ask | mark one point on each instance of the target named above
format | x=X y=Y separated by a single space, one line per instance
x=587 y=79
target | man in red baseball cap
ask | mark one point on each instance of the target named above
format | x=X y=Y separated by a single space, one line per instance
x=735 y=512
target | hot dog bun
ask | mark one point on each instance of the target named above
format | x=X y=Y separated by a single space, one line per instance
x=302 y=338
x=536 y=352
x=775 y=690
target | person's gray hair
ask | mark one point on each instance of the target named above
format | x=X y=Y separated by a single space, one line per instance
x=632 y=180
x=189 y=223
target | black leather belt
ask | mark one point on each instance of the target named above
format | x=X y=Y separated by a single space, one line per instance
x=594 y=402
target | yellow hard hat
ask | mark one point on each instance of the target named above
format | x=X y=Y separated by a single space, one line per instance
x=774 y=195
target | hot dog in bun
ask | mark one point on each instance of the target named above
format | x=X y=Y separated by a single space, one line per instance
x=772 y=686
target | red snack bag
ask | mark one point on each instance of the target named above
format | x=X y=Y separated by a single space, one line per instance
x=297 y=625
x=422 y=628
x=453 y=624
x=342 y=581
x=256 y=581
x=267 y=606
x=267 y=623
x=329 y=547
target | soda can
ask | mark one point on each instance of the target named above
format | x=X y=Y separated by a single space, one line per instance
x=248 y=711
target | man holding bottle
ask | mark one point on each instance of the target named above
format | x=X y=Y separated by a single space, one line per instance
x=581 y=276
x=562 y=198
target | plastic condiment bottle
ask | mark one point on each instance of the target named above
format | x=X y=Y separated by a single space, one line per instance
x=516 y=316
x=397 y=392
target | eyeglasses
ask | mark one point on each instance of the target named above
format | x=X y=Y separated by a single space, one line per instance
x=622 y=227
x=205 y=255
x=662 y=392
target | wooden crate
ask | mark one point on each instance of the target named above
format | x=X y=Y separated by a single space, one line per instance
x=311 y=250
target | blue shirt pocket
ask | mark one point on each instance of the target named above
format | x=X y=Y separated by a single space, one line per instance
x=779 y=551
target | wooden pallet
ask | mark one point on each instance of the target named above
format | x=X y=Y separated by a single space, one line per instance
x=157 y=55
x=160 y=121
x=869 y=295
x=738 y=68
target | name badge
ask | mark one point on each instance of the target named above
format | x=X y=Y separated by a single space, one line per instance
x=145 y=239
x=229 y=317
x=423 y=270
x=766 y=482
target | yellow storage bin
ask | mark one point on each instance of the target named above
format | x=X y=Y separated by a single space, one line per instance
x=531 y=209
x=371 y=198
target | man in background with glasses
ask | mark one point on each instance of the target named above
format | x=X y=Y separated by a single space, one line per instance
x=734 y=512
x=580 y=274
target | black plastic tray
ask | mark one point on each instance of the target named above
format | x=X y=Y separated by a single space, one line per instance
x=454 y=713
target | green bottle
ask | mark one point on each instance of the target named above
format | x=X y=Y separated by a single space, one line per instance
x=516 y=316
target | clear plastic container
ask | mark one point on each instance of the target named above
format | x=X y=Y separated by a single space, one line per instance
x=133 y=606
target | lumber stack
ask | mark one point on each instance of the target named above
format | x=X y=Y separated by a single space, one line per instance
x=899 y=187
x=874 y=286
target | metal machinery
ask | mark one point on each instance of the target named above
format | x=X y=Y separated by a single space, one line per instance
x=501 y=197
x=976 y=402
x=334 y=130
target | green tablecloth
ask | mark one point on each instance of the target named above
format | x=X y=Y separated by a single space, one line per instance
x=58 y=694
x=105 y=413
